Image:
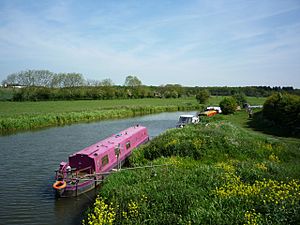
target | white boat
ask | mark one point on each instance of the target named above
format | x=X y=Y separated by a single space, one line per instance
x=187 y=119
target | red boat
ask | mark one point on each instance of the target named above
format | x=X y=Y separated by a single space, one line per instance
x=87 y=168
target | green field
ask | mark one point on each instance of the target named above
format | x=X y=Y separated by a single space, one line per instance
x=215 y=100
x=19 y=108
x=16 y=116
x=9 y=109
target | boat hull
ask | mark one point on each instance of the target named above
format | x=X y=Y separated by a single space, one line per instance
x=74 y=191
x=87 y=168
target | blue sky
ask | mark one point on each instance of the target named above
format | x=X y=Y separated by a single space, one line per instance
x=193 y=43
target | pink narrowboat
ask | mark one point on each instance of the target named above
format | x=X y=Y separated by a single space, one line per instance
x=87 y=168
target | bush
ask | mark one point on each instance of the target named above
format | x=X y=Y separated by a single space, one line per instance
x=203 y=96
x=6 y=94
x=283 y=110
x=240 y=98
x=207 y=141
x=228 y=105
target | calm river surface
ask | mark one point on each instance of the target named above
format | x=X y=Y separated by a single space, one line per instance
x=28 y=161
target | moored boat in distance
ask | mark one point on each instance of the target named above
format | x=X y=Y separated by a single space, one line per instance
x=211 y=111
x=208 y=113
x=87 y=168
x=187 y=119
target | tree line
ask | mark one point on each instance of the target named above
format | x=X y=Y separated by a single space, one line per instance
x=45 y=78
x=45 y=85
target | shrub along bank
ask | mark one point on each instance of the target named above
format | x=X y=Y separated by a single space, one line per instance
x=284 y=111
x=218 y=174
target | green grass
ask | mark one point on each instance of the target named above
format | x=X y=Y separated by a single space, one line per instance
x=258 y=125
x=219 y=173
x=17 y=116
x=239 y=118
x=19 y=108
x=215 y=100
x=8 y=109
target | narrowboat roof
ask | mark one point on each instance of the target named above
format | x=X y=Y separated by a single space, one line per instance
x=112 y=141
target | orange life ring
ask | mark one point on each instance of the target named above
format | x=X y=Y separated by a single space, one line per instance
x=59 y=185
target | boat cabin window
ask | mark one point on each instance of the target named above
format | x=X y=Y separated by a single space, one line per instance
x=185 y=119
x=104 y=160
x=128 y=145
x=117 y=151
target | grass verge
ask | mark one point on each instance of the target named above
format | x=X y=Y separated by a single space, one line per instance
x=218 y=173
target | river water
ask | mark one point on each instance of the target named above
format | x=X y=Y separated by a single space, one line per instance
x=28 y=161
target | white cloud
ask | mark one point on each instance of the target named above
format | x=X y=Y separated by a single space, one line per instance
x=205 y=44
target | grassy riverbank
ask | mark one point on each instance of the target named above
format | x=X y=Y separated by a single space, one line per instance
x=16 y=116
x=218 y=173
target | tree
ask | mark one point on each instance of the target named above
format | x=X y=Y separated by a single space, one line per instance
x=283 y=109
x=74 y=80
x=106 y=83
x=40 y=78
x=90 y=82
x=57 y=81
x=11 y=79
x=240 y=98
x=172 y=90
x=228 y=105
x=171 y=94
x=67 y=80
x=25 y=78
x=132 y=81
x=202 y=96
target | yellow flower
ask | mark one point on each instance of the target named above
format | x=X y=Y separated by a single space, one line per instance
x=262 y=166
x=274 y=158
x=102 y=213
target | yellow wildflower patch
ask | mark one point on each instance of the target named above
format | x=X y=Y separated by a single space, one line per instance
x=101 y=214
x=175 y=161
x=197 y=143
x=227 y=167
x=268 y=146
x=133 y=209
x=171 y=143
x=261 y=166
x=274 y=158
x=252 y=218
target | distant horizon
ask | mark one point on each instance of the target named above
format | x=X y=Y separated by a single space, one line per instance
x=193 y=43
x=114 y=84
